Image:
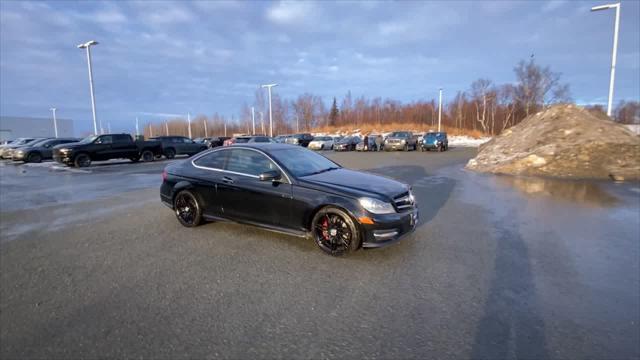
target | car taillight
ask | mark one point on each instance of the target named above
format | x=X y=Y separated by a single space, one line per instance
x=164 y=175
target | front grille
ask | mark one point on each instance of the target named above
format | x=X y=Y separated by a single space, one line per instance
x=394 y=141
x=403 y=202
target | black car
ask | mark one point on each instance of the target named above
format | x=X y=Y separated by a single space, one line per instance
x=291 y=190
x=299 y=139
x=106 y=147
x=179 y=145
x=42 y=150
x=347 y=143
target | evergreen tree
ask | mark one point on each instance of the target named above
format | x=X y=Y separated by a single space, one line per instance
x=333 y=115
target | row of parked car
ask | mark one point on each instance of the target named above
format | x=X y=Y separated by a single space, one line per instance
x=81 y=152
x=398 y=140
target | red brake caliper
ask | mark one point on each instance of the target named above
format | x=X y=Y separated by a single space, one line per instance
x=325 y=228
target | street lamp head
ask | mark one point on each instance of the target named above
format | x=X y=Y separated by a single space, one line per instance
x=87 y=44
x=605 y=7
x=268 y=85
x=52 y=109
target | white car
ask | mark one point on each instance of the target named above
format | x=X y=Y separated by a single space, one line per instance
x=321 y=143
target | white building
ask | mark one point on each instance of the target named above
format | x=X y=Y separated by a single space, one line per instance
x=12 y=127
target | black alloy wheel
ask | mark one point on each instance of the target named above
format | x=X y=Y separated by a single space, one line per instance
x=82 y=160
x=170 y=153
x=187 y=208
x=34 y=158
x=147 y=156
x=335 y=232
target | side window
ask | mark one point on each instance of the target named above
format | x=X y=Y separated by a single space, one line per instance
x=121 y=139
x=214 y=160
x=261 y=139
x=249 y=162
x=187 y=140
x=106 y=139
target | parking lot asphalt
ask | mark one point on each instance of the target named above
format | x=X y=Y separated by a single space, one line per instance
x=92 y=265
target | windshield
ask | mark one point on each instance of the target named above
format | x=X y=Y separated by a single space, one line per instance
x=88 y=139
x=346 y=140
x=40 y=142
x=302 y=162
x=402 y=134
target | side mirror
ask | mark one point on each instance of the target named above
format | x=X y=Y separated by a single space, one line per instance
x=271 y=175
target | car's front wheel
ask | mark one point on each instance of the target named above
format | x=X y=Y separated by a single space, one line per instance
x=188 y=210
x=147 y=156
x=82 y=160
x=34 y=158
x=335 y=232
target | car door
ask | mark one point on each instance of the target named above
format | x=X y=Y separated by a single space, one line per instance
x=123 y=146
x=208 y=179
x=244 y=197
x=103 y=149
x=190 y=147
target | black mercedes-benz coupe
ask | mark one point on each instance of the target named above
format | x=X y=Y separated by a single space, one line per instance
x=293 y=190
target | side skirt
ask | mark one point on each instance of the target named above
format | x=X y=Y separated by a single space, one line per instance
x=277 y=229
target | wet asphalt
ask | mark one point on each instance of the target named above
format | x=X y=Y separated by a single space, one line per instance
x=92 y=265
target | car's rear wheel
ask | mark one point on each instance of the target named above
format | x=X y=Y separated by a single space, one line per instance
x=147 y=156
x=82 y=160
x=170 y=153
x=335 y=232
x=34 y=158
x=188 y=210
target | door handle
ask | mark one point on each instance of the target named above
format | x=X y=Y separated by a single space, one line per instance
x=227 y=180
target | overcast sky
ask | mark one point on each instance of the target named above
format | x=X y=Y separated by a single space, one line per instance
x=205 y=57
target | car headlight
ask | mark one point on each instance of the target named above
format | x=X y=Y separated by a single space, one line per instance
x=64 y=151
x=20 y=152
x=402 y=141
x=376 y=206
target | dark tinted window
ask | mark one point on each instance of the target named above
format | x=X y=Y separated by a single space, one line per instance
x=121 y=139
x=261 y=139
x=301 y=162
x=249 y=162
x=214 y=160
x=106 y=139
x=242 y=140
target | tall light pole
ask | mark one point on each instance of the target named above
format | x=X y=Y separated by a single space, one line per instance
x=269 y=86
x=204 y=121
x=440 y=110
x=55 y=122
x=189 y=121
x=87 y=46
x=297 y=124
x=262 y=121
x=166 y=127
x=615 y=49
x=253 y=119
x=137 y=128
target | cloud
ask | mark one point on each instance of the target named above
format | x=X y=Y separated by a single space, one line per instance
x=109 y=16
x=157 y=14
x=289 y=12
x=552 y=5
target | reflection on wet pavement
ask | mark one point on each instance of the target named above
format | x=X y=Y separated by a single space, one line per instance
x=585 y=192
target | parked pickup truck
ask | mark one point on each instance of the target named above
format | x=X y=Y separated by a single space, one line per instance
x=106 y=147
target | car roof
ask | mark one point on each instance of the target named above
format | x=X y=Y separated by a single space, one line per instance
x=266 y=147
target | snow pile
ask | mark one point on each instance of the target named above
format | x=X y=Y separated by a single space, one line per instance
x=467 y=141
x=563 y=141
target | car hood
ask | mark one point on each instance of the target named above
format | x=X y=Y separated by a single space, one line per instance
x=68 y=145
x=356 y=183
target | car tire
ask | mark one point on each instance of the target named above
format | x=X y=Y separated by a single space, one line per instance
x=335 y=232
x=82 y=160
x=170 y=153
x=187 y=208
x=147 y=156
x=34 y=158
x=321 y=147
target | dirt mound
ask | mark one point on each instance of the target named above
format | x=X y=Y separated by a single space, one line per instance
x=563 y=141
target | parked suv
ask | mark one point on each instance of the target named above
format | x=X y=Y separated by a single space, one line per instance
x=106 y=147
x=401 y=140
x=38 y=151
x=179 y=145
x=435 y=140
x=300 y=139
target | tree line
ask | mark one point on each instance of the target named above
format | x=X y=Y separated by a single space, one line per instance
x=484 y=107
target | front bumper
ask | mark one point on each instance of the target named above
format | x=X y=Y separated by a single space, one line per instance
x=62 y=158
x=18 y=156
x=389 y=228
x=395 y=146
x=315 y=146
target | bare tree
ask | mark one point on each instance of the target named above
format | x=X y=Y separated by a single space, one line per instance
x=538 y=86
